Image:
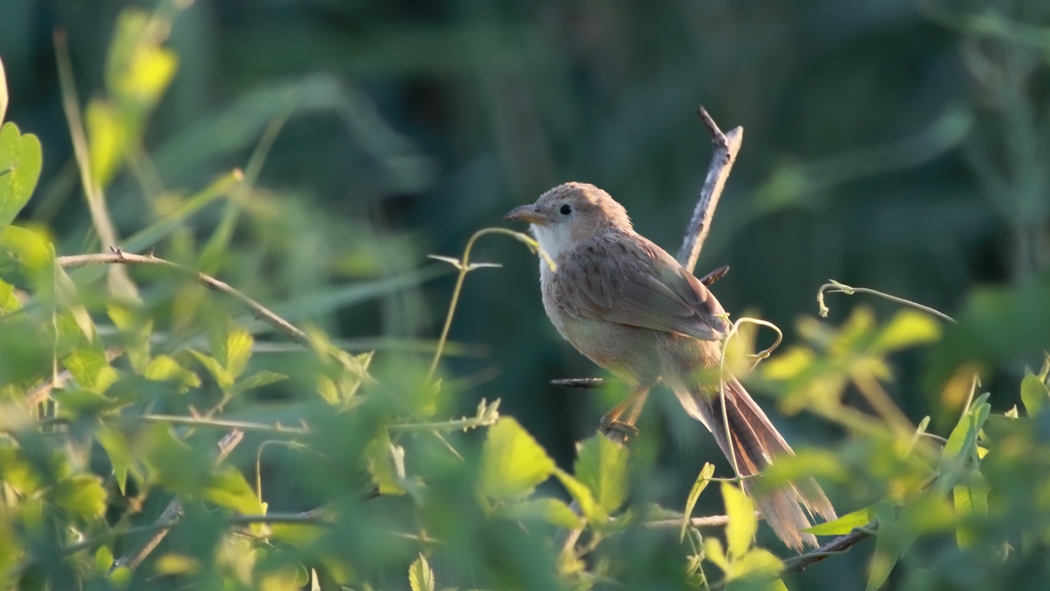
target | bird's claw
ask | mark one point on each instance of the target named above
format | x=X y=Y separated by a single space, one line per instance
x=627 y=432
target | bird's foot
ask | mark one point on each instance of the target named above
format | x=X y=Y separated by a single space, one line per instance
x=626 y=432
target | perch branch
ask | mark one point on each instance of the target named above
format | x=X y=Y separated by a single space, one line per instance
x=837 y=546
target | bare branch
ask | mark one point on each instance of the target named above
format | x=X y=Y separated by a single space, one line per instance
x=583 y=383
x=727 y=146
x=119 y=257
x=709 y=521
x=837 y=546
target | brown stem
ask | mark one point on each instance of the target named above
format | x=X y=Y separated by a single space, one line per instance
x=836 y=546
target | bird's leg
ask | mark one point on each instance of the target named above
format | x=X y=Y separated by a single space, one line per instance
x=632 y=406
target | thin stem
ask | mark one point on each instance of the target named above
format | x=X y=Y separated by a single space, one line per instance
x=709 y=521
x=216 y=424
x=721 y=372
x=835 y=287
x=120 y=283
x=124 y=258
x=465 y=267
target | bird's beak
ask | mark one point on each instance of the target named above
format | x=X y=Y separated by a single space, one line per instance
x=527 y=213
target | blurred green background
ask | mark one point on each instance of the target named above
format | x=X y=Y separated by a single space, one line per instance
x=895 y=144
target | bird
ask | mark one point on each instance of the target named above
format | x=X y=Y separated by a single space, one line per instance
x=631 y=308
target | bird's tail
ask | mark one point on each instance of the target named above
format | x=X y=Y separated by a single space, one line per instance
x=754 y=443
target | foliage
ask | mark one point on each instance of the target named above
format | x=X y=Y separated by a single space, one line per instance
x=155 y=407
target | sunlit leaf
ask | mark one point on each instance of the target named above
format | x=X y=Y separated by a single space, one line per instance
x=107 y=138
x=258 y=379
x=90 y=368
x=845 y=524
x=81 y=495
x=601 y=465
x=702 y=480
x=743 y=524
x=512 y=463
x=757 y=564
x=20 y=163
x=553 y=511
x=229 y=489
x=420 y=577
x=217 y=371
x=583 y=495
x=788 y=364
x=163 y=368
x=908 y=327
x=103 y=560
x=176 y=564
x=1034 y=394
x=237 y=351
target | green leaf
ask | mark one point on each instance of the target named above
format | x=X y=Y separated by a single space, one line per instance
x=217 y=371
x=702 y=480
x=119 y=451
x=257 y=380
x=757 y=564
x=845 y=524
x=31 y=253
x=20 y=163
x=81 y=495
x=908 y=327
x=90 y=368
x=385 y=463
x=8 y=301
x=420 y=577
x=107 y=138
x=103 y=560
x=68 y=298
x=1034 y=394
x=713 y=552
x=120 y=577
x=887 y=548
x=553 y=511
x=601 y=465
x=512 y=463
x=165 y=369
x=742 y=521
x=238 y=350
x=590 y=507
x=136 y=326
x=970 y=499
x=961 y=442
x=177 y=564
x=229 y=489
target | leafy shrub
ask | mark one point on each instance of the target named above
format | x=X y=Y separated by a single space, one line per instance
x=144 y=425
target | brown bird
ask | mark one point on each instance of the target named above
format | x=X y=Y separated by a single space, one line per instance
x=630 y=307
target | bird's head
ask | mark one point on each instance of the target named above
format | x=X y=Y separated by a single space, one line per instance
x=569 y=214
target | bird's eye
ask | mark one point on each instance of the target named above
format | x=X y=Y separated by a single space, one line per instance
x=566 y=209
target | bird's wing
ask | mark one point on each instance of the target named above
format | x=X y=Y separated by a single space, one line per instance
x=629 y=280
